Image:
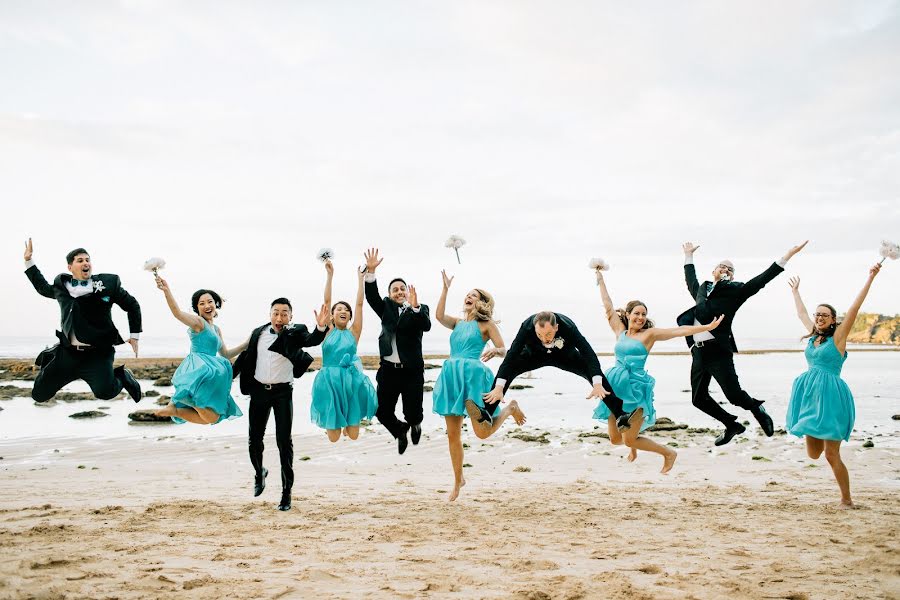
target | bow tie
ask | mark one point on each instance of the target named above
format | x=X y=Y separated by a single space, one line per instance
x=84 y=282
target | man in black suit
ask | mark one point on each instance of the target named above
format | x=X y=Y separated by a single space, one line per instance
x=88 y=334
x=273 y=359
x=549 y=339
x=402 y=369
x=712 y=351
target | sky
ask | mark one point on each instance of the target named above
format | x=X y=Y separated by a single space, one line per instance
x=237 y=139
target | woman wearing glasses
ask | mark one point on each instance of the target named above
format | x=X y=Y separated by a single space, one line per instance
x=821 y=406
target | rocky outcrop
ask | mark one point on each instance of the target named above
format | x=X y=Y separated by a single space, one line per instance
x=871 y=328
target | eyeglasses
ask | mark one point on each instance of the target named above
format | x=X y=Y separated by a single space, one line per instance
x=727 y=268
x=822 y=315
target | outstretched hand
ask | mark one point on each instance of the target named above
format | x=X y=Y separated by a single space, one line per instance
x=490 y=353
x=323 y=319
x=689 y=248
x=29 y=250
x=796 y=249
x=447 y=280
x=715 y=323
x=876 y=268
x=361 y=274
x=597 y=391
x=413 y=297
x=794 y=282
x=162 y=284
x=329 y=267
x=372 y=260
x=494 y=396
x=134 y=346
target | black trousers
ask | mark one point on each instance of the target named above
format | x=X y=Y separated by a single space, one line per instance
x=613 y=402
x=66 y=364
x=714 y=360
x=394 y=383
x=280 y=401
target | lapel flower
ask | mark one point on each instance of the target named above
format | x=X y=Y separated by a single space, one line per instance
x=558 y=343
x=98 y=285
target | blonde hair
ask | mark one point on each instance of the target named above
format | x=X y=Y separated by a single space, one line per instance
x=483 y=309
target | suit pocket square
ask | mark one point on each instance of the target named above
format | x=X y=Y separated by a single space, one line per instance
x=105 y=298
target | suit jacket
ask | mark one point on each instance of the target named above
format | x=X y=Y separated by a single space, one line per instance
x=725 y=299
x=89 y=316
x=289 y=344
x=527 y=352
x=407 y=326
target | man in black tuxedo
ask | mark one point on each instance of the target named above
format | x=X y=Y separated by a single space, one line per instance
x=712 y=351
x=273 y=359
x=549 y=339
x=402 y=369
x=88 y=334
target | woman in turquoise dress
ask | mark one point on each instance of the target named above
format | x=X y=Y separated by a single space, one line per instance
x=342 y=395
x=821 y=406
x=635 y=336
x=203 y=379
x=464 y=377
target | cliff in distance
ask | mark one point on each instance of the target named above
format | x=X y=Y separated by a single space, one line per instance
x=871 y=328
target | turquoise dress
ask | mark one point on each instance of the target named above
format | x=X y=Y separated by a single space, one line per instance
x=342 y=395
x=203 y=379
x=630 y=381
x=821 y=404
x=463 y=376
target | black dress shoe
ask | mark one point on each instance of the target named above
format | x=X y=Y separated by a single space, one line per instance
x=130 y=384
x=402 y=442
x=730 y=431
x=259 y=483
x=415 y=434
x=285 y=503
x=623 y=423
x=764 y=420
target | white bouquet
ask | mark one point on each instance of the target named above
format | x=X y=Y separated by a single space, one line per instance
x=455 y=242
x=598 y=265
x=889 y=250
x=154 y=265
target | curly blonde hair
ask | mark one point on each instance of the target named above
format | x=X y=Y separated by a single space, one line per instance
x=484 y=306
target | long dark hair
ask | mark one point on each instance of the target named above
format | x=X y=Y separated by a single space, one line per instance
x=623 y=314
x=828 y=332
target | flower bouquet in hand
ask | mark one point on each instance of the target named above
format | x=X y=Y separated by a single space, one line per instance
x=598 y=265
x=154 y=265
x=889 y=250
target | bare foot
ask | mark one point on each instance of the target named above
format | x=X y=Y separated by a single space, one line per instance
x=632 y=455
x=483 y=428
x=516 y=413
x=455 y=493
x=669 y=461
x=169 y=410
x=848 y=505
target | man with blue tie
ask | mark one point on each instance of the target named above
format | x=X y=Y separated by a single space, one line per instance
x=713 y=351
x=87 y=333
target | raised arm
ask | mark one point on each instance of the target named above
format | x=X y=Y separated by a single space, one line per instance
x=612 y=317
x=690 y=272
x=659 y=334
x=843 y=330
x=440 y=315
x=757 y=283
x=356 y=327
x=329 y=270
x=227 y=352
x=802 y=312
x=34 y=274
x=372 y=296
x=195 y=322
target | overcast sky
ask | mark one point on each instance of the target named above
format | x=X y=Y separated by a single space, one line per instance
x=236 y=139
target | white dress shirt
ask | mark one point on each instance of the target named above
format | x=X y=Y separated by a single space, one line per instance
x=271 y=367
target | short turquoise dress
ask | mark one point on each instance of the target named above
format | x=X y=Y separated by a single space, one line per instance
x=463 y=376
x=821 y=404
x=342 y=395
x=630 y=381
x=203 y=379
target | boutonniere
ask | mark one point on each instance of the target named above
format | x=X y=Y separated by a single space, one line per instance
x=558 y=343
x=98 y=285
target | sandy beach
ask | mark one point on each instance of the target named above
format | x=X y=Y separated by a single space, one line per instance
x=157 y=516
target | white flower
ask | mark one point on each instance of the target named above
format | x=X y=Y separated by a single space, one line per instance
x=558 y=343
x=154 y=264
x=98 y=285
x=889 y=250
x=598 y=264
x=325 y=254
x=455 y=242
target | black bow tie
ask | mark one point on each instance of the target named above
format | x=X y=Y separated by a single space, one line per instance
x=76 y=283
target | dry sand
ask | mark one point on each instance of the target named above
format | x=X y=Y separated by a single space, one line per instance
x=161 y=517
